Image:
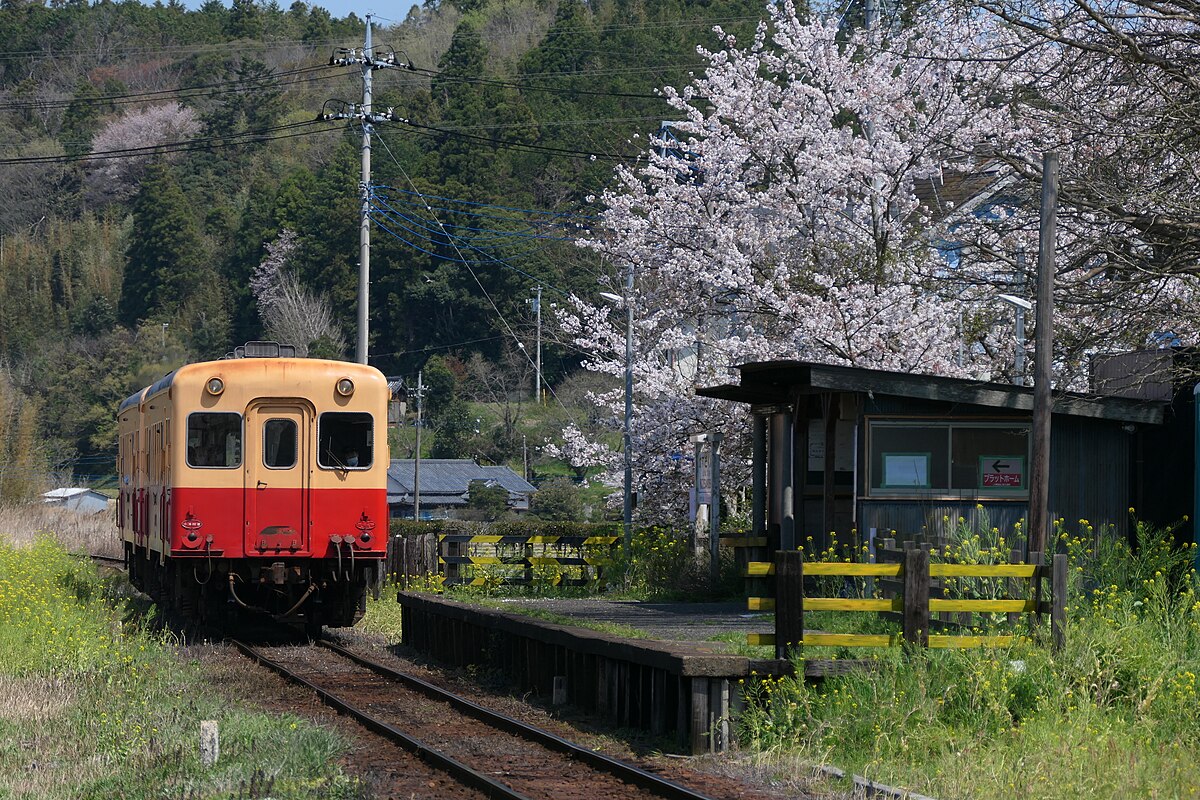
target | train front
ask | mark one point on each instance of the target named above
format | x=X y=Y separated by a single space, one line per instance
x=283 y=486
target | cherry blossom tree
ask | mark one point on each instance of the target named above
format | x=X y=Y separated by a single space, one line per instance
x=782 y=220
x=291 y=313
x=795 y=212
x=1113 y=88
x=118 y=178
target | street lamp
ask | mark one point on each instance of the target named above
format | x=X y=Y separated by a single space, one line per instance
x=628 y=438
x=1021 y=305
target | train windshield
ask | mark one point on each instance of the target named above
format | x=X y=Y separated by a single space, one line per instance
x=347 y=440
x=214 y=439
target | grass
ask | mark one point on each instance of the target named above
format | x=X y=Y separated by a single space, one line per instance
x=94 y=705
x=94 y=534
x=1116 y=713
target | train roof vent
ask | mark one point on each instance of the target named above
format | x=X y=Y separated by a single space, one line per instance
x=263 y=350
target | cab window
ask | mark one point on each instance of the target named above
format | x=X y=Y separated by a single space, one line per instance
x=214 y=439
x=279 y=443
x=347 y=440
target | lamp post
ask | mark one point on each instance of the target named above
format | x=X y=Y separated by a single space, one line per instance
x=628 y=437
x=1021 y=305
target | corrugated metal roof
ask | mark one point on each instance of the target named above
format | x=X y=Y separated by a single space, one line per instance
x=451 y=476
x=766 y=382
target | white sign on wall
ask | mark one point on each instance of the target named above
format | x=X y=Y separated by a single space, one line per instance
x=843 y=455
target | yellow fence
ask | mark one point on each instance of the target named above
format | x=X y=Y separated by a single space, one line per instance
x=914 y=605
x=557 y=560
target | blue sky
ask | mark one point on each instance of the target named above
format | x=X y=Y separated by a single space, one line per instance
x=394 y=10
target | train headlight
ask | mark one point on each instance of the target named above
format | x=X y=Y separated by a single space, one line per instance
x=345 y=387
x=214 y=386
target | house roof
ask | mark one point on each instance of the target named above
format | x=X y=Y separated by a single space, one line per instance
x=450 y=479
x=778 y=382
x=66 y=492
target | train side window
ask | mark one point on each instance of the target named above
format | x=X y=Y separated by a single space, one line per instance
x=279 y=443
x=347 y=440
x=214 y=439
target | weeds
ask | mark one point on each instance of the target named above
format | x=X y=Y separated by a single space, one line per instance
x=1115 y=713
x=92 y=707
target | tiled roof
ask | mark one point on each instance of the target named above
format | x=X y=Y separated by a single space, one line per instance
x=450 y=477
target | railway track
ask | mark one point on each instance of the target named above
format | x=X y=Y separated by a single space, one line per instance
x=494 y=754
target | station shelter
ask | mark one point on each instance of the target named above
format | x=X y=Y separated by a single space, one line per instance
x=858 y=454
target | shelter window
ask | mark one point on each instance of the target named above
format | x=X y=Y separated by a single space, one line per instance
x=214 y=439
x=972 y=459
x=279 y=443
x=347 y=440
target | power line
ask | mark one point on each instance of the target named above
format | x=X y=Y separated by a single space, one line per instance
x=234 y=46
x=473 y=204
x=431 y=131
x=186 y=145
x=499 y=314
x=524 y=86
x=177 y=93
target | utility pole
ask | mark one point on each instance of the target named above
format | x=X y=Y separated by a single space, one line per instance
x=627 y=510
x=1039 y=484
x=537 y=310
x=420 y=393
x=367 y=62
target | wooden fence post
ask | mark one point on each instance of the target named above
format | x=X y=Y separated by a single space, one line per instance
x=916 y=596
x=448 y=549
x=1035 y=558
x=1058 y=601
x=789 y=601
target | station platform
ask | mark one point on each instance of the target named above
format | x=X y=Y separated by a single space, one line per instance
x=678 y=684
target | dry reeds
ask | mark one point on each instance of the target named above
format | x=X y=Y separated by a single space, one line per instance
x=94 y=534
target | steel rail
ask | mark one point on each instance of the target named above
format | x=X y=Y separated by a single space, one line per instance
x=639 y=777
x=439 y=760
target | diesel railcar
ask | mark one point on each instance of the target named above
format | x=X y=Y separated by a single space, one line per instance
x=257 y=482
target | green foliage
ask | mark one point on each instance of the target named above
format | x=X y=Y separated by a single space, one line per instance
x=22 y=467
x=83 y=267
x=657 y=564
x=513 y=527
x=455 y=428
x=489 y=500
x=167 y=263
x=558 y=500
x=1034 y=722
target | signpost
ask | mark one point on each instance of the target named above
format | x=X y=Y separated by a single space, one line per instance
x=1001 y=472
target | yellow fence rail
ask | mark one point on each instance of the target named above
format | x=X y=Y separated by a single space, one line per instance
x=483 y=560
x=914 y=605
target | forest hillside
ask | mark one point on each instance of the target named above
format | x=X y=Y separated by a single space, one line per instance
x=165 y=177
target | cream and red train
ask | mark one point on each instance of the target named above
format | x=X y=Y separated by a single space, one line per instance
x=258 y=481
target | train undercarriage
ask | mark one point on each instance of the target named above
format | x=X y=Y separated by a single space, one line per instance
x=218 y=592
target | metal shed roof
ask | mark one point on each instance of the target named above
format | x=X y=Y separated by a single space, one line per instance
x=778 y=382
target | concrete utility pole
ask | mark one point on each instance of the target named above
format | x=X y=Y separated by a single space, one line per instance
x=628 y=430
x=420 y=393
x=366 y=60
x=1039 y=484
x=537 y=310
